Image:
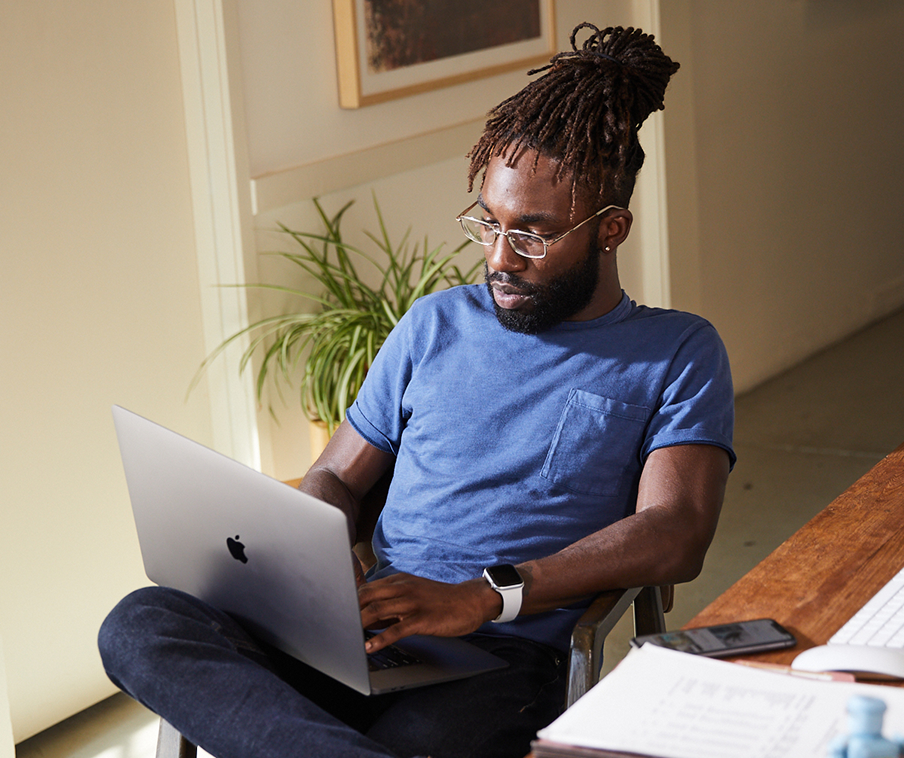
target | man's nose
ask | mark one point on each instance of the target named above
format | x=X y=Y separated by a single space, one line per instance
x=501 y=257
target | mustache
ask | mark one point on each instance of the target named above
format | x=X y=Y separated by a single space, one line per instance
x=512 y=280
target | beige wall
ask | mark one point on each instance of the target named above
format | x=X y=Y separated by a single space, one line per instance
x=784 y=160
x=99 y=305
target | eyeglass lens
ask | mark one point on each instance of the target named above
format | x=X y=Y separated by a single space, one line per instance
x=522 y=243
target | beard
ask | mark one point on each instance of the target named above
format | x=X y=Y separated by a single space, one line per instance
x=555 y=302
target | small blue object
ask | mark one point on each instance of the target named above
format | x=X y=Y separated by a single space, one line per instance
x=864 y=738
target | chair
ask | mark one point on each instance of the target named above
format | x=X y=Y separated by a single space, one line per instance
x=585 y=654
x=587 y=638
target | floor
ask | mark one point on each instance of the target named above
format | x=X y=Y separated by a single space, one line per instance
x=802 y=438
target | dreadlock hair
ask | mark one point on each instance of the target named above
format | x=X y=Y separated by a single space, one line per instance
x=584 y=112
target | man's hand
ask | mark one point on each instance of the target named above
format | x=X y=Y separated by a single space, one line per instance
x=407 y=605
x=360 y=579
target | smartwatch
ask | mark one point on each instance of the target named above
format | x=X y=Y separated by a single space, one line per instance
x=506 y=580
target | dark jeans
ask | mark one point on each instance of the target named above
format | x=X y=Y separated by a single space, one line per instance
x=237 y=698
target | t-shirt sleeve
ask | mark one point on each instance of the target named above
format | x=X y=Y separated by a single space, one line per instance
x=378 y=413
x=697 y=398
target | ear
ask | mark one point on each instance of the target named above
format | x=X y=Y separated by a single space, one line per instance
x=614 y=228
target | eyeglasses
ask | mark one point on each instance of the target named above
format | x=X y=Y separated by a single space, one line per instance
x=526 y=244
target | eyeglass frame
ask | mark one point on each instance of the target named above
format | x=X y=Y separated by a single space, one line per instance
x=497 y=230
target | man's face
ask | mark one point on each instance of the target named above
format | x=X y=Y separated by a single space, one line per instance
x=532 y=295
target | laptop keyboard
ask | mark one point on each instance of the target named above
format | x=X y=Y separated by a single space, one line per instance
x=880 y=622
x=389 y=657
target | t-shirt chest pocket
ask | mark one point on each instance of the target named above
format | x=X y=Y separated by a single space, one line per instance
x=595 y=449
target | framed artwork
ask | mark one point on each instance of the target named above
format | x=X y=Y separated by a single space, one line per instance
x=393 y=48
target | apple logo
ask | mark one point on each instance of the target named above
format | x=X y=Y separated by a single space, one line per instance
x=236 y=549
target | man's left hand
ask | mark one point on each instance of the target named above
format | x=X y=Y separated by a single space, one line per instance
x=405 y=604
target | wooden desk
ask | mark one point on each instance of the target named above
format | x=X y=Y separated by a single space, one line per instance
x=818 y=578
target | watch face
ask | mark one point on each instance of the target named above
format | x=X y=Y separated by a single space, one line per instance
x=505 y=575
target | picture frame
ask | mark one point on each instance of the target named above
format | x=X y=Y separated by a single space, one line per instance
x=387 y=49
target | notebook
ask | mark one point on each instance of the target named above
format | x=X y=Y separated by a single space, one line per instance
x=273 y=557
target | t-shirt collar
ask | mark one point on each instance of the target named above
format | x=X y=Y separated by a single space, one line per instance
x=619 y=313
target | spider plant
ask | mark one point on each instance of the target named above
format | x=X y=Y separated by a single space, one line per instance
x=351 y=320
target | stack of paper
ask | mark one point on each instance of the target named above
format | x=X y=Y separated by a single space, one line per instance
x=662 y=703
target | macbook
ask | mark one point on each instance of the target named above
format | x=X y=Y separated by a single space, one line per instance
x=273 y=557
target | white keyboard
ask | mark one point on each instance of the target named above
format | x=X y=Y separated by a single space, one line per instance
x=880 y=622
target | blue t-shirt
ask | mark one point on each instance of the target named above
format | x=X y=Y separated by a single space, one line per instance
x=510 y=447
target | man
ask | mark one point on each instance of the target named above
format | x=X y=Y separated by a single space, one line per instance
x=543 y=421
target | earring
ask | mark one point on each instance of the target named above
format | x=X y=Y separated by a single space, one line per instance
x=607 y=249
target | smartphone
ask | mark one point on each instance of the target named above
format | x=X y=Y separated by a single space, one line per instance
x=738 y=638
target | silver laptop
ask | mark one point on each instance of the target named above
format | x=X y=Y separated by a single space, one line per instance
x=274 y=558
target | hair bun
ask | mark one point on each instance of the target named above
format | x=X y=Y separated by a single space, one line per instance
x=593 y=45
x=584 y=111
x=648 y=69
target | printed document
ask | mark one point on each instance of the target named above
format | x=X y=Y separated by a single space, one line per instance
x=667 y=704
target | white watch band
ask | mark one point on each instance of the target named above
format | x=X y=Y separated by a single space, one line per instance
x=511 y=599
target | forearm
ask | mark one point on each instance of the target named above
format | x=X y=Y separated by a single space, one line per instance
x=345 y=472
x=664 y=542
x=641 y=550
x=328 y=487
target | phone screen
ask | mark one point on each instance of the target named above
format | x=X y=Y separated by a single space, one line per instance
x=725 y=639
